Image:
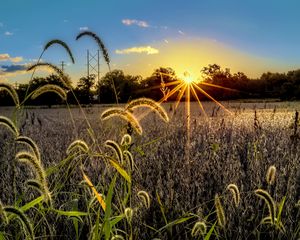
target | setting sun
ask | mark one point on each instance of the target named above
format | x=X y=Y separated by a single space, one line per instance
x=187 y=77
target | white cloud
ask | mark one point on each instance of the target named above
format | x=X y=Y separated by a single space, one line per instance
x=83 y=28
x=7 y=57
x=166 y=41
x=181 y=32
x=7 y=33
x=142 y=49
x=139 y=23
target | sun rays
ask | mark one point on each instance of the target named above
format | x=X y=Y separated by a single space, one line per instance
x=188 y=88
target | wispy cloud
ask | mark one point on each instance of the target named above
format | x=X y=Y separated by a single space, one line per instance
x=7 y=57
x=181 y=32
x=129 y=22
x=7 y=33
x=1 y=24
x=83 y=28
x=142 y=49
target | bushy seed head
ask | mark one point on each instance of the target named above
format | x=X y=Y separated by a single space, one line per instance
x=147 y=102
x=220 y=212
x=128 y=156
x=145 y=199
x=31 y=144
x=235 y=193
x=10 y=125
x=61 y=43
x=199 y=229
x=11 y=91
x=77 y=144
x=128 y=214
x=126 y=140
x=49 y=88
x=269 y=201
x=271 y=174
x=120 y=112
x=116 y=148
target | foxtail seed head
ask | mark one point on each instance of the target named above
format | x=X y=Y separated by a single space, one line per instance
x=269 y=201
x=144 y=197
x=199 y=229
x=235 y=193
x=220 y=212
x=271 y=174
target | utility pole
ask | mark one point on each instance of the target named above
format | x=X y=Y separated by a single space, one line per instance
x=62 y=65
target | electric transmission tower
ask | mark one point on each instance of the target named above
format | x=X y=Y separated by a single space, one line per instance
x=93 y=64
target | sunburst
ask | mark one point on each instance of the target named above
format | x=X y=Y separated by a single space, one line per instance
x=185 y=86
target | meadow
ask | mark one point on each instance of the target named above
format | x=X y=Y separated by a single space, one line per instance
x=241 y=179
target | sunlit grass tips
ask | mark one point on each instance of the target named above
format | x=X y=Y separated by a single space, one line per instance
x=147 y=102
x=77 y=145
x=269 y=201
x=120 y=112
x=199 y=229
x=31 y=144
x=271 y=174
x=12 y=92
x=235 y=193
x=49 y=88
x=58 y=71
x=220 y=212
x=10 y=125
x=144 y=197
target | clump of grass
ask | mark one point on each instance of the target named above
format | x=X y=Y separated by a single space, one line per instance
x=269 y=201
x=220 y=212
x=147 y=102
x=27 y=225
x=120 y=112
x=235 y=193
x=61 y=43
x=199 y=229
x=145 y=199
x=49 y=88
x=12 y=92
x=10 y=125
x=271 y=174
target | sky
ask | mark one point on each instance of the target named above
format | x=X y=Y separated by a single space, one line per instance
x=249 y=36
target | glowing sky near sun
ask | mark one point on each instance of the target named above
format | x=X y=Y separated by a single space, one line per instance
x=249 y=36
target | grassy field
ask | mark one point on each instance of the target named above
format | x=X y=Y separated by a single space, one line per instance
x=189 y=196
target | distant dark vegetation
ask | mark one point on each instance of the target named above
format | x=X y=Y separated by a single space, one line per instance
x=284 y=86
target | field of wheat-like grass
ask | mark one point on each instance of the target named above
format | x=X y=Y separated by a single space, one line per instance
x=65 y=173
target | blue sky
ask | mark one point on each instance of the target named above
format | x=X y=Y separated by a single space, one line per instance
x=249 y=36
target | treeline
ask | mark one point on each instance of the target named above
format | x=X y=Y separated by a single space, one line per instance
x=217 y=82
